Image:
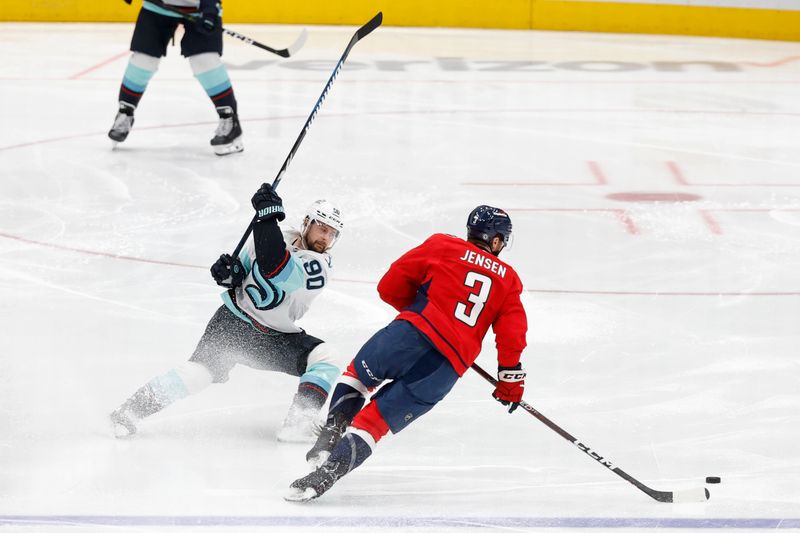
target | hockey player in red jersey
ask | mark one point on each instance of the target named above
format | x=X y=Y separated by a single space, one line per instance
x=449 y=291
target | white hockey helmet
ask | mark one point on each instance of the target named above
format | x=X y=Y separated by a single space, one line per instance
x=324 y=212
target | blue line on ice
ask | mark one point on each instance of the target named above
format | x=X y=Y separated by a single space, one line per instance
x=397 y=521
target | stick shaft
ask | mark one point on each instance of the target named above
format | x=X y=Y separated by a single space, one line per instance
x=362 y=32
x=658 y=495
x=283 y=52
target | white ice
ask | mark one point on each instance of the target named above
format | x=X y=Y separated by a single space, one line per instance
x=665 y=335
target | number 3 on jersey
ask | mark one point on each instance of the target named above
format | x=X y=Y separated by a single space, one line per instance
x=470 y=317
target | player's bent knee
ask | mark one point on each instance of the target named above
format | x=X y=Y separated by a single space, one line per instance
x=204 y=62
x=144 y=61
x=322 y=367
x=195 y=376
x=350 y=377
x=325 y=353
x=355 y=383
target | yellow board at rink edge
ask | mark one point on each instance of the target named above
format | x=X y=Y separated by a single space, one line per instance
x=570 y=15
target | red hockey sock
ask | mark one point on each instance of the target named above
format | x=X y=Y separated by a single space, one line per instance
x=371 y=420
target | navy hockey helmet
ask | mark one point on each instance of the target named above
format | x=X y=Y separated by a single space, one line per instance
x=486 y=222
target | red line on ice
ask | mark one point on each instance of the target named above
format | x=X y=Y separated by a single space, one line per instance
x=99 y=65
x=711 y=222
x=677 y=173
x=599 y=177
x=371 y=282
x=92 y=252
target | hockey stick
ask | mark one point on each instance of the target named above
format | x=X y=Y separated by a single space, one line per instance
x=283 y=52
x=362 y=32
x=691 y=495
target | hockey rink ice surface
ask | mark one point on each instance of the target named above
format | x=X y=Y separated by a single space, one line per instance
x=654 y=187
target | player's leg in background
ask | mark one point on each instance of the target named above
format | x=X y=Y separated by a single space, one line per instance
x=320 y=373
x=148 y=44
x=204 y=52
x=210 y=363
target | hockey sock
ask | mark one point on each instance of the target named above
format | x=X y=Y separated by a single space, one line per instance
x=144 y=402
x=370 y=421
x=310 y=396
x=213 y=76
x=157 y=394
x=322 y=367
x=141 y=68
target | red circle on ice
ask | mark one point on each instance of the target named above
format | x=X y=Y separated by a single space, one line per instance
x=654 y=197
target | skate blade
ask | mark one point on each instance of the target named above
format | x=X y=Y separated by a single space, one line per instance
x=300 y=495
x=114 y=145
x=232 y=148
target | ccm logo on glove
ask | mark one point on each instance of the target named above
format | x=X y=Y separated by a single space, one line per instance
x=510 y=386
x=511 y=375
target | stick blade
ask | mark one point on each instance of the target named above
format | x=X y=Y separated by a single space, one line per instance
x=298 y=43
x=370 y=26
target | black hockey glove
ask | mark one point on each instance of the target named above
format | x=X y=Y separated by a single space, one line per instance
x=267 y=204
x=227 y=271
x=209 y=17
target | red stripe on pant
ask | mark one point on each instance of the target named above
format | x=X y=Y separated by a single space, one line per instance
x=350 y=372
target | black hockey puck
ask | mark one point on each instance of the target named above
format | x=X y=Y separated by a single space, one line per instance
x=713 y=479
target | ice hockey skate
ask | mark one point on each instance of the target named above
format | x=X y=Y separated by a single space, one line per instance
x=300 y=425
x=328 y=436
x=228 y=136
x=123 y=423
x=123 y=123
x=316 y=483
x=144 y=402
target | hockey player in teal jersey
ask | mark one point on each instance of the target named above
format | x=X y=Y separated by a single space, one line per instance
x=201 y=44
x=271 y=284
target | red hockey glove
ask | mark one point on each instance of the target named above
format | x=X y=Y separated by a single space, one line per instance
x=510 y=386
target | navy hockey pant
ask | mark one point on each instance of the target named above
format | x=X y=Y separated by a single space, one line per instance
x=421 y=376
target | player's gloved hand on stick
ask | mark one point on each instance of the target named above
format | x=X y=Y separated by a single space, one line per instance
x=209 y=17
x=510 y=386
x=267 y=204
x=227 y=271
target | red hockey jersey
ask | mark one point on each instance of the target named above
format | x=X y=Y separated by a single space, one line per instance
x=452 y=291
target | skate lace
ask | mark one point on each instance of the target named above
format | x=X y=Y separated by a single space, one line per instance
x=121 y=122
x=224 y=127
